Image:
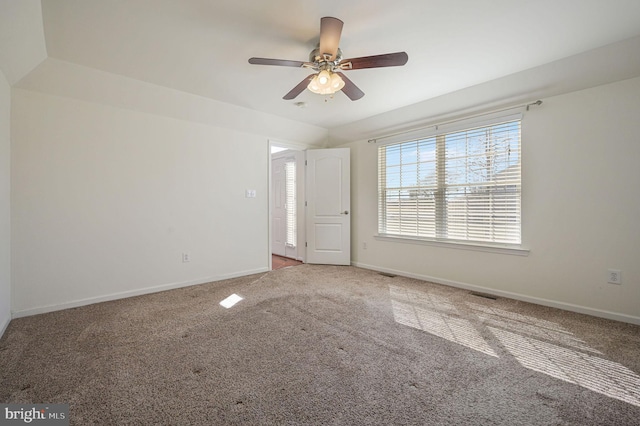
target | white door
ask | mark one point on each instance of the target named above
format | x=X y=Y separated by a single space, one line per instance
x=328 y=206
x=279 y=212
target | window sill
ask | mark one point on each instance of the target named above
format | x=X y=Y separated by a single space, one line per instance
x=500 y=249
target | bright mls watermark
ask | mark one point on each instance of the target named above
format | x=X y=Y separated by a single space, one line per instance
x=35 y=414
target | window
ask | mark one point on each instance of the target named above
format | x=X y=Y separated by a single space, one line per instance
x=290 y=185
x=456 y=186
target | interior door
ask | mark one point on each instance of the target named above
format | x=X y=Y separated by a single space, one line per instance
x=279 y=212
x=328 y=206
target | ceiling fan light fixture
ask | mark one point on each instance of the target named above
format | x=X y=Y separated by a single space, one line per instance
x=325 y=83
x=313 y=85
x=324 y=78
x=337 y=83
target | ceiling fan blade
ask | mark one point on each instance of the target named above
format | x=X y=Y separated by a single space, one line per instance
x=351 y=90
x=376 y=61
x=298 y=89
x=278 y=62
x=330 y=31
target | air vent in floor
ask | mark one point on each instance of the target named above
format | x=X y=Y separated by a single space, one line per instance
x=386 y=274
x=486 y=296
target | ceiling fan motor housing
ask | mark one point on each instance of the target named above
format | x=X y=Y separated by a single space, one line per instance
x=322 y=61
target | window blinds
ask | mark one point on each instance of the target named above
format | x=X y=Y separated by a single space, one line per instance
x=461 y=185
x=290 y=185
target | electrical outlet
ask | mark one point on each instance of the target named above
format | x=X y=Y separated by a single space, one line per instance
x=186 y=257
x=614 y=276
x=364 y=246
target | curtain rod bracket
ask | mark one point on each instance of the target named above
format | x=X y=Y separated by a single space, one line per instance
x=536 y=103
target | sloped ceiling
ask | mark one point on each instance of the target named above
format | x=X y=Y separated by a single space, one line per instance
x=202 y=46
x=22 y=45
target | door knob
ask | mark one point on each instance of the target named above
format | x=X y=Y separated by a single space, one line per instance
x=345 y=212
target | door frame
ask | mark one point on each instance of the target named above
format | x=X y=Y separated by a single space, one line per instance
x=300 y=188
x=279 y=193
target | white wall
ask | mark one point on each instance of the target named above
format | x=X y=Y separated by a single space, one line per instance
x=581 y=211
x=22 y=44
x=69 y=80
x=5 y=204
x=106 y=200
x=114 y=178
x=22 y=48
x=603 y=65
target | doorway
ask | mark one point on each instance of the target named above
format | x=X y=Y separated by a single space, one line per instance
x=279 y=262
x=287 y=206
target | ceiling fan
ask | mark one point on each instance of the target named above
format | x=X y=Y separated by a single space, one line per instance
x=326 y=60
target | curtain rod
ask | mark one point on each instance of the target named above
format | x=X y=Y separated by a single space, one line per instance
x=528 y=105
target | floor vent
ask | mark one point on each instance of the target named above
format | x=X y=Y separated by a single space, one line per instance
x=486 y=296
x=386 y=274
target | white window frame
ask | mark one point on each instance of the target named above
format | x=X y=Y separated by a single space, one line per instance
x=438 y=134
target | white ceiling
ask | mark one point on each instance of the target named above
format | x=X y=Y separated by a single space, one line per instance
x=202 y=46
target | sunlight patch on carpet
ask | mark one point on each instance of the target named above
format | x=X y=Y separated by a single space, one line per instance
x=527 y=325
x=537 y=344
x=436 y=315
x=230 y=301
x=597 y=374
x=422 y=298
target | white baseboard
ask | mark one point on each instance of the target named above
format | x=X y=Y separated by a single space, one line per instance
x=4 y=324
x=131 y=293
x=517 y=296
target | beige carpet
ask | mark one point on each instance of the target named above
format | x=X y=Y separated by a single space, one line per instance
x=324 y=345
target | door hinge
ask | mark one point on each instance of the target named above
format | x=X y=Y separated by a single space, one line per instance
x=305 y=244
x=305 y=162
x=305 y=204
